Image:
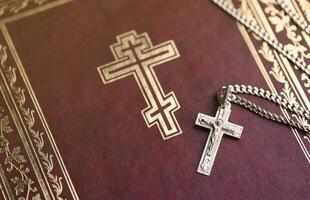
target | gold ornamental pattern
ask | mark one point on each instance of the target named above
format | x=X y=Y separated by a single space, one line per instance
x=15 y=6
x=305 y=7
x=295 y=86
x=15 y=163
x=39 y=171
x=28 y=115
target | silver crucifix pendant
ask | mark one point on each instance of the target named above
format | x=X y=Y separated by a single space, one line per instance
x=219 y=126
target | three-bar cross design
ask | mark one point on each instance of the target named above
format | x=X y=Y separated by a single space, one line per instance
x=136 y=56
x=219 y=126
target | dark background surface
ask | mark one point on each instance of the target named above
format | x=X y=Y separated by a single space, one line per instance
x=103 y=139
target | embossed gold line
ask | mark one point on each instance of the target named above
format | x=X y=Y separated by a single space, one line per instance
x=39 y=111
x=260 y=17
x=3 y=193
x=8 y=97
x=262 y=20
x=33 y=11
x=9 y=194
x=256 y=57
x=283 y=62
x=282 y=65
x=307 y=38
x=305 y=35
x=261 y=66
x=296 y=133
x=287 y=69
x=285 y=65
x=295 y=5
x=20 y=16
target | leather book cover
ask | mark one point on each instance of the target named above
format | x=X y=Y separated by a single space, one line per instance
x=99 y=100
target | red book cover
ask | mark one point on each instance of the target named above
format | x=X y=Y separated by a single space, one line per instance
x=99 y=100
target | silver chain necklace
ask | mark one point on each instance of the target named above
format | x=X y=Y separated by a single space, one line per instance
x=248 y=23
x=219 y=124
x=229 y=94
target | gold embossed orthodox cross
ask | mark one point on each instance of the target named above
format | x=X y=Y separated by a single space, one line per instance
x=219 y=126
x=135 y=55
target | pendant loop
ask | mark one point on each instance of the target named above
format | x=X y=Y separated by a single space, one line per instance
x=223 y=95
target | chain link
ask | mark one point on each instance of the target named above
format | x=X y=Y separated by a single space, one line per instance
x=295 y=108
x=301 y=22
x=277 y=99
x=264 y=35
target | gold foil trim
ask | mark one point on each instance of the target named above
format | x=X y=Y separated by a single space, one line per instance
x=28 y=116
x=294 y=87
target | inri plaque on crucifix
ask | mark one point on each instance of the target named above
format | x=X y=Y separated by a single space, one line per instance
x=219 y=126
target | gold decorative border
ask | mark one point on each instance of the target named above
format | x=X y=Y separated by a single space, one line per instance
x=12 y=6
x=14 y=163
x=27 y=114
x=28 y=119
x=33 y=11
x=281 y=72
